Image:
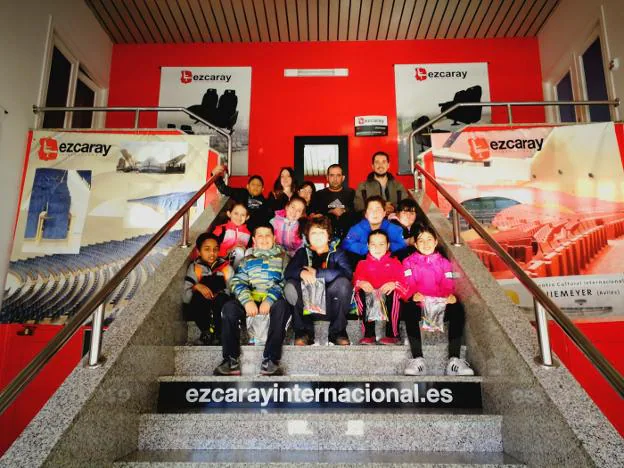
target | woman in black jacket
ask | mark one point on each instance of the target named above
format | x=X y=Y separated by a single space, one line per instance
x=320 y=258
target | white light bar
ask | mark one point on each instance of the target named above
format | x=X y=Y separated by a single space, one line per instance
x=306 y=72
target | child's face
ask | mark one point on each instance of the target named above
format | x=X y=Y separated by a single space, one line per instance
x=209 y=251
x=407 y=217
x=375 y=213
x=285 y=179
x=263 y=238
x=426 y=243
x=318 y=237
x=295 y=210
x=254 y=187
x=238 y=215
x=378 y=246
x=305 y=193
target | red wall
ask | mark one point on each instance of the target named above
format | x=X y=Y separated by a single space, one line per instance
x=282 y=108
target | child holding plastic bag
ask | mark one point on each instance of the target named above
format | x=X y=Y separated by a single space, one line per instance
x=430 y=296
x=378 y=282
x=319 y=282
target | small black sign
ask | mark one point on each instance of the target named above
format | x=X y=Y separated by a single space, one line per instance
x=261 y=394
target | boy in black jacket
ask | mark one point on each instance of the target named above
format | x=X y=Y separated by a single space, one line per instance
x=319 y=258
x=251 y=197
x=206 y=287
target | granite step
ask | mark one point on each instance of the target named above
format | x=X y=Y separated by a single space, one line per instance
x=308 y=458
x=354 y=331
x=316 y=431
x=316 y=360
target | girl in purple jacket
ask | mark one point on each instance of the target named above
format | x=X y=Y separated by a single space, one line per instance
x=287 y=225
x=428 y=274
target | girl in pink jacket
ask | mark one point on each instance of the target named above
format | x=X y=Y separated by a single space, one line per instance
x=428 y=275
x=379 y=275
x=233 y=236
x=287 y=225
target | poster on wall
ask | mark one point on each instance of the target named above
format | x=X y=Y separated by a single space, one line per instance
x=423 y=91
x=553 y=198
x=219 y=95
x=89 y=202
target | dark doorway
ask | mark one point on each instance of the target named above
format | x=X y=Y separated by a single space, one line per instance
x=313 y=154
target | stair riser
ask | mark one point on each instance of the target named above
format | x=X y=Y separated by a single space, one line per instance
x=332 y=433
x=313 y=360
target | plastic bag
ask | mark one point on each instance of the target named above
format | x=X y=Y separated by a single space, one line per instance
x=433 y=314
x=258 y=329
x=313 y=297
x=376 y=306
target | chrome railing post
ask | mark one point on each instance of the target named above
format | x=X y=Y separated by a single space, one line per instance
x=509 y=116
x=543 y=336
x=95 y=346
x=184 y=241
x=456 y=228
x=137 y=113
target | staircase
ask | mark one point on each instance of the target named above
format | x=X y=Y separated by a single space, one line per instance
x=187 y=433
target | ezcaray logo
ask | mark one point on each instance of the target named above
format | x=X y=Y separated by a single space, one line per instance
x=421 y=74
x=187 y=76
x=49 y=148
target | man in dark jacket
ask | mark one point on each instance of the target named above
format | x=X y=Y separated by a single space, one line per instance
x=319 y=259
x=381 y=183
x=335 y=201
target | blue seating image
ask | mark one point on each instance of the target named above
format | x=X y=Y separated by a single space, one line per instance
x=54 y=287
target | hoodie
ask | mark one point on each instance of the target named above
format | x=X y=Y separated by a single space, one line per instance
x=260 y=276
x=286 y=232
x=357 y=239
x=217 y=277
x=430 y=275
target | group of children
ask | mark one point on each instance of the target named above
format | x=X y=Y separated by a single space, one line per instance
x=264 y=274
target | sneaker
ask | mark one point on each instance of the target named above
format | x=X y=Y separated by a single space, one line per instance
x=229 y=366
x=339 y=341
x=416 y=366
x=368 y=340
x=458 y=366
x=269 y=367
x=389 y=340
x=205 y=339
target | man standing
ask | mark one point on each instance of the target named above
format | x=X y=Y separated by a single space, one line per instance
x=382 y=183
x=335 y=201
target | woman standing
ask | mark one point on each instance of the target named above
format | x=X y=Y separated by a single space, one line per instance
x=283 y=188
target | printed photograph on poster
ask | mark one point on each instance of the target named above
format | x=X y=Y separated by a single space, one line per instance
x=423 y=91
x=154 y=211
x=57 y=211
x=219 y=95
x=153 y=158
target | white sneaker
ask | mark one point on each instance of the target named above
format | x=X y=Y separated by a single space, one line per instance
x=458 y=366
x=416 y=366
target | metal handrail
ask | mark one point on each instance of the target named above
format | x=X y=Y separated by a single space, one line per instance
x=614 y=378
x=137 y=113
x=508 y=105
x=17 y=385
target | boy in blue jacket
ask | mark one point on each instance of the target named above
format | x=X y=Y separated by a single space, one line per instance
x=356 y=242
x=319 y=258
x=258 y=287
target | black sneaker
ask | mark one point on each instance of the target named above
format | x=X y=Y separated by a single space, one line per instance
x=269 y=367
x=229 y=366
x=205 y=339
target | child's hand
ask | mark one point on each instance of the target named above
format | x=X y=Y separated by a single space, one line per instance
x=265 y=308
x=388 y=287
x=251 y=309
x=451 y=299
x=308 y=275
x=204 y=291
x=366 y=286
x=418 y=297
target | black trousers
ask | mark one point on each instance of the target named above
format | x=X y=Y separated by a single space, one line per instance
x=411 y=314
x=234 y=313
x=337 y=302
x=206 y=312
x=369 y=327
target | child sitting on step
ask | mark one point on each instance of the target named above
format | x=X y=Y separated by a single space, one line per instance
x=234 y=237
x=378 y=282
x=428 y=274
x=287 y=225
x=405 y=218
x=206 y=287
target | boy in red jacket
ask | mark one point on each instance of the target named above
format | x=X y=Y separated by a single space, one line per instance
x=382 y=276
x=428 y=274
